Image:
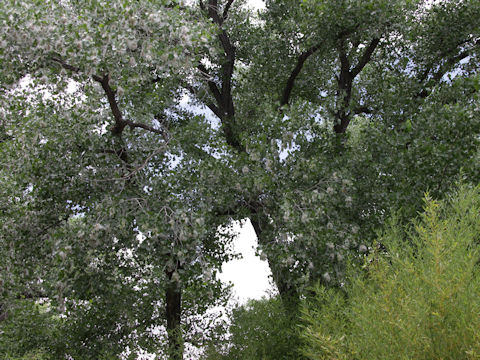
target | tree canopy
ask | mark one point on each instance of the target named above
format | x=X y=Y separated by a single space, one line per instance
x=133 y=132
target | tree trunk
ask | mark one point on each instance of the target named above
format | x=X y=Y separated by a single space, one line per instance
x=173 y=307
x=288 y=292
x=3 y=312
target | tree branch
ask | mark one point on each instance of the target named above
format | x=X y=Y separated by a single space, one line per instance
x=362 y=110
x=213 y=12
x=345 y=84
x=448 y=65
x=227 y=70
x=344 y=91
x=344 y=62
x=442 y=70
x=367 y=55
x=451 y=51
x=226 y=9
x=120 y=123
x=210 y=105
x=214 y=109
x=224 y=109
x=145 y=127
x=287 y=91
x=104 y=82
x=65 y=65
x=56 y=223
x=212 y=86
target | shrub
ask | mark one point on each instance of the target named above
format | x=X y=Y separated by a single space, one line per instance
x=418 y=299
x=28 y=332
x=259 y=330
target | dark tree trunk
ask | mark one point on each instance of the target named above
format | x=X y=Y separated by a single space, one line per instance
x=3 y=312
x=288 y=292
x=173 y=308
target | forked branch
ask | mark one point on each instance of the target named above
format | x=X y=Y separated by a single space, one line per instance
x=287 y=91
x=104 y=81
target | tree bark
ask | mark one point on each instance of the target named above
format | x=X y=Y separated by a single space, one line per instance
x=3 y=312
x=288 y=292
x=173 y=309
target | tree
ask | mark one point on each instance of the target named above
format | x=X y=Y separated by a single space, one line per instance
x=260 y=329
x=96 y=213
x=26 y=332
x=325 y=115
x=336 y=112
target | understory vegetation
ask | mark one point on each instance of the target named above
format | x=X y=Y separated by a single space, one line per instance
x=413 y=296
x=416 y=296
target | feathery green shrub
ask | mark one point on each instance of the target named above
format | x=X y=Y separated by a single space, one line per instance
x=417 y=297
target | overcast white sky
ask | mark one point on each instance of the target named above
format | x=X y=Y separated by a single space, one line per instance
x=256 y=3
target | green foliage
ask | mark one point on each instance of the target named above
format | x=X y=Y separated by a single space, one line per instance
x=34 y=355
x=323 y=117
x=29 y=332
x=259 y=330
x=418 y=299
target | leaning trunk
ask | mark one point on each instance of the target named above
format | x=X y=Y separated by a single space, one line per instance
x=173 y=301
x=280 y=274
x=3 y=312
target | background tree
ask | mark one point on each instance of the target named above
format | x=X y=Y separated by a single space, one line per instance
x=260 y=329
x=96 y=212
x=337 y=112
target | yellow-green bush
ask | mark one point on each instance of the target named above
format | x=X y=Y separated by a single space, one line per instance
x=418 y=299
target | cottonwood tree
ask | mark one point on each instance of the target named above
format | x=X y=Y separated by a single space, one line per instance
x=105 y=211
x=336 y=112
